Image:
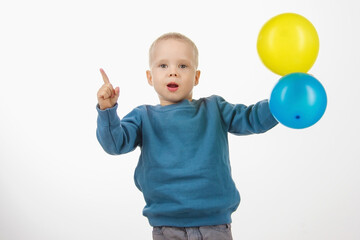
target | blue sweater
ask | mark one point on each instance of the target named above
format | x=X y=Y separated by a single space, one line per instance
x=184 y=171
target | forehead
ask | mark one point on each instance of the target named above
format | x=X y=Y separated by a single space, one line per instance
x=173 y=48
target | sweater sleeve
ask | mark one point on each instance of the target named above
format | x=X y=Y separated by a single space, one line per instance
x=243 y=120
x=118 y=136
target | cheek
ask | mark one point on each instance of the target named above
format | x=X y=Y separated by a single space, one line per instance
x=158 y=75
x=192 y=78
x=157 y=84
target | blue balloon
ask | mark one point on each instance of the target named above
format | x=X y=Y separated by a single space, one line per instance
x=298 y=100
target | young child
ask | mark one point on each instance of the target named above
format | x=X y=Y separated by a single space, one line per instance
x=183 y=171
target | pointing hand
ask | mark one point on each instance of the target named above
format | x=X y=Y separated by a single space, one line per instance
x=107 y=95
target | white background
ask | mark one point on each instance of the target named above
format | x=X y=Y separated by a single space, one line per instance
x=57 y=183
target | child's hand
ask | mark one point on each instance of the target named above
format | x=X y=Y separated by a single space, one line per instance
x=107 y=95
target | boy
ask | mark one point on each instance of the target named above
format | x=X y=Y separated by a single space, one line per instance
x=184 y=170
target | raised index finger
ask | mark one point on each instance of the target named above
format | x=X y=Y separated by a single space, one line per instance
x=104 y=76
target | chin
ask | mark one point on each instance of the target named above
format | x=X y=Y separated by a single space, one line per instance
x=172 y=100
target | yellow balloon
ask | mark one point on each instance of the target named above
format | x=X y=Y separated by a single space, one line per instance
x=288 y=43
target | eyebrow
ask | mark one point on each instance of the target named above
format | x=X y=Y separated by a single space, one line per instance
x=180 y=60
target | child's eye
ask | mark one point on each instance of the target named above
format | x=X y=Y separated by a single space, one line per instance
x=182 y=66
x=163 y=65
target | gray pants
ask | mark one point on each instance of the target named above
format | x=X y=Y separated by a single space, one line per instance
x=218 y=232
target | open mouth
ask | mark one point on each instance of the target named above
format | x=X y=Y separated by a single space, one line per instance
x=172 y=87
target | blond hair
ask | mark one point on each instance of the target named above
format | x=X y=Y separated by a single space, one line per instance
x=176 y=36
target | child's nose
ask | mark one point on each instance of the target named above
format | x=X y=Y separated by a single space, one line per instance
x=173 y=71
x=173 y=74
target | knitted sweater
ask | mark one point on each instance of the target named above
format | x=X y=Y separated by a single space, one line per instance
x=184 y=170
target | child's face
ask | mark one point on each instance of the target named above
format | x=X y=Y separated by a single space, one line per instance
x=173 y=72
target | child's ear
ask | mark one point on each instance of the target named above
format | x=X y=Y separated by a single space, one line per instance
x=149 y=77
x=197 y=77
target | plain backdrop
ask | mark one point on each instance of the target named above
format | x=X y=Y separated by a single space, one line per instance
x=56 y=182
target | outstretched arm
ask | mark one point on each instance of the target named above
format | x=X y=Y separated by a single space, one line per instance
x=242 y=120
